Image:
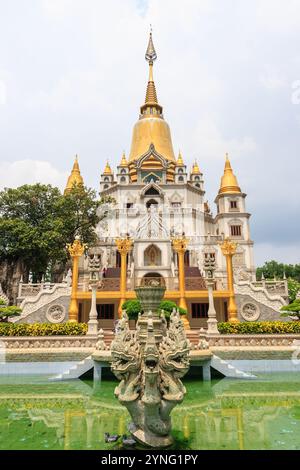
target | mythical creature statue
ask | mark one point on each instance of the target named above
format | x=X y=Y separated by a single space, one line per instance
x=149 y=374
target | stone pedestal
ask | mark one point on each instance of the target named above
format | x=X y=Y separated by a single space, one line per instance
x=212 y=323
x=93 y=322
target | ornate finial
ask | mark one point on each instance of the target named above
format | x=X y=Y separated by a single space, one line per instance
x=76 y=248
x=195 y=169
x=180 y=160
x=228 y=247
x=123 y=159
x=124 y=245
x=229 y=182
x=179 y=244
x=75 y=177
x=107 y=169
x=150 y=55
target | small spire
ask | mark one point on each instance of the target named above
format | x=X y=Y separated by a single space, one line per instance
x=75 y=177
x=107 y=169
x=123 y=160
x=195 y=169
x=150 y=55
x=180 y=160
x=229 y=182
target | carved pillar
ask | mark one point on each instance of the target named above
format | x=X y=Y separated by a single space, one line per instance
x=124 y=246
x=76 y=250
x=228 y=248
x=179 y=246
x=209 y=268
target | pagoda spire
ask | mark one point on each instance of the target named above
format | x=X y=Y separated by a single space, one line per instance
x=151 y=101
x=75 y=177
x=229 y=183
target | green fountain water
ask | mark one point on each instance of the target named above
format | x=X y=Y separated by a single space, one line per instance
x=225 y=414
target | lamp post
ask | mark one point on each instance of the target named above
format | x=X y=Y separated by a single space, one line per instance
x=94 y=267
x=228 y=248
x=179 y=246
x=209 y=268
x=76 y=250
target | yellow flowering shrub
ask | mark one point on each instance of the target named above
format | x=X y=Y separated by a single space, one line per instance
x=43 y=329
x=260 y=328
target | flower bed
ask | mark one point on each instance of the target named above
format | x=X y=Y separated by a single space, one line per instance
x=260 y=328
x=43 y=329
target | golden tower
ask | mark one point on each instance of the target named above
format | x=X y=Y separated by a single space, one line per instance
x=151 y=130
x=229 y=182
x=75 y=177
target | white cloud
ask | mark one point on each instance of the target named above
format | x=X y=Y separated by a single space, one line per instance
x=29 y=172
x=213 y=145
x=57 y=9
x=3 y=92
x=288 y=254
x=278 y=16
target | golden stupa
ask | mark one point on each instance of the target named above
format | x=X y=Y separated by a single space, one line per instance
x=229 y=182
x=151 y=128
x=75 y=177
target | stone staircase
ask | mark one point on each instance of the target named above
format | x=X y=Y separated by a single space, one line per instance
x=75 y=371
x=228 y=370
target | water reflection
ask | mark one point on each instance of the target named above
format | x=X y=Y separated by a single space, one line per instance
x=229 y=414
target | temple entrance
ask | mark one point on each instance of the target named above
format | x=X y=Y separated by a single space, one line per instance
x=152 y=256
x=152 y=204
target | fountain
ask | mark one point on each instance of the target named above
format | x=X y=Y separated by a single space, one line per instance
x=149 y=363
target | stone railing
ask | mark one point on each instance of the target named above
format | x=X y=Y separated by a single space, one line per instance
x=44 y=296
x=47 y=342
x=253 y=340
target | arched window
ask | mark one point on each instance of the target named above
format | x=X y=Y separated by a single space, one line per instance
x=181 y=179
x=197 y=185
x=106 y=186
x=106 y=178
x=123 y=171
x=152 y=192
x=180 y=171
x=197 y=178
x=123 y=179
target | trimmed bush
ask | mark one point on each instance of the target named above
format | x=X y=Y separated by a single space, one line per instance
x=133 y=308
x=259 y=328
x=43 y=329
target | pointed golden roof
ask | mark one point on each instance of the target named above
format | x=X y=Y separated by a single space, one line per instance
x=151 y=127
x=229 y=182
x=107 y=169
x=75 y=176
x=180 y=160
x=195 y=169
x=123 y=160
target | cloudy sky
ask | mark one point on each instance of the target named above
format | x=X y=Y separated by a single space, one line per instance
x=73 y=75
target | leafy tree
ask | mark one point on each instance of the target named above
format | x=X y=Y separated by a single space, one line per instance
x=36 y=222
x=273 y=269
x=292 y=310
x=8 y=312
x=133 y=308
x=294 y=288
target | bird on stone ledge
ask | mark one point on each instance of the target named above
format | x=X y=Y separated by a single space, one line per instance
x=111 y=438
x=128 y=441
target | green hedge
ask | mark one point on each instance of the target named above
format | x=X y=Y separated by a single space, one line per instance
x=259 y=328
x=43 y=329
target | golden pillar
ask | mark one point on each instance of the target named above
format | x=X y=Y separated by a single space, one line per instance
x=76 y=249
x=179 y=246
x=124 y=246
x=228 y=248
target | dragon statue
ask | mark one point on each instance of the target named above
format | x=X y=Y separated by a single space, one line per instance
x=149 y=372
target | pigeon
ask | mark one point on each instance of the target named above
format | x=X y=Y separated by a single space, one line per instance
x=128 y=441
x=111 y=438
